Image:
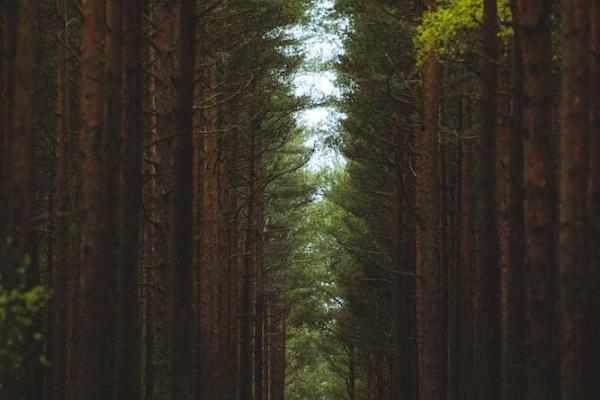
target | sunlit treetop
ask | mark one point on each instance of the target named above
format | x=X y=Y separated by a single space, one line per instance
x=448 y=26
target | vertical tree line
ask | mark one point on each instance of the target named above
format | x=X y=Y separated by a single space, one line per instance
x=142 y=147
x=468 y=199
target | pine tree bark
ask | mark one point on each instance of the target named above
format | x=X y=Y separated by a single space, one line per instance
x=514 y=351
x=246 y=309
x=487 y=286
x=573 y=256
x=164 y=98
x=259 y=296
x=468 y=262
x=540 y=201
x=592 y=337
x=98 y=278
x=129 y=351
x=18 y=240
x=210 y=278
x=430 y=302
x=183 y=328
x=62 y=261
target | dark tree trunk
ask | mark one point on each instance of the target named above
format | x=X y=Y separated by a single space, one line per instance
x=487 y=286
x=98 y=281
x=430 y=302
x=183 y=328
x=573 y=255
x=468 y=243
x=540 y=202
x=514 y=351
x=62 y=261
x=129 y=379
x=592 y=338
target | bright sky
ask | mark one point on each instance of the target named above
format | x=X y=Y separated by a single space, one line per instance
x=319 y=47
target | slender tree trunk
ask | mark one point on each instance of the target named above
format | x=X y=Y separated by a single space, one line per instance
x=98 y=278
x=468 y=243
x=351 y=384
x=62 y=260
x=259 y=316
x=209 y=307
x=183 y=327
x=165 y=96
x=540 y=202
x=592 y=338
x=246 y=314
x=150 y=223
x=277 y=351
x=514 y=351
x=18 y=243
x=487 y=286
x=130 y=335
x=573 y=256
x=430 y=302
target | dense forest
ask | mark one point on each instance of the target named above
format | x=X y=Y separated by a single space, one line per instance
x=173 y=227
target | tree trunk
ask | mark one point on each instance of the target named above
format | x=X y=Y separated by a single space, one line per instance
x=573 y=256
x=18 y=242
x=468 y=244
x=210 y=279
x=540 y=202
x=487 y=286
x=98 y=278
x=183 y=326
x=430 y=302
x=130 y=335
x=592 y=317
x=259 y=315
x=514 y=351
x=62 y=253
x=246 y=310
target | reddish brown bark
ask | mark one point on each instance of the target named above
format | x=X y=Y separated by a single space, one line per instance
x=98 y=279
x=210 y=278
x=540 y=201
x=62 y=260
x=514 y=352
x=592 y=316
x=164 y=97
x=183 y=328
x=467 y=270
x=129 y=350
x=259 y=274
x=430 y=302
x=277 y=351
x=573 y=256
x=18 y=241
x=246 y=300
x=487 y=282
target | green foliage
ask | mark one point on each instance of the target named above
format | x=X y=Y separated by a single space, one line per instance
x=448 y=27
x=20 y=306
